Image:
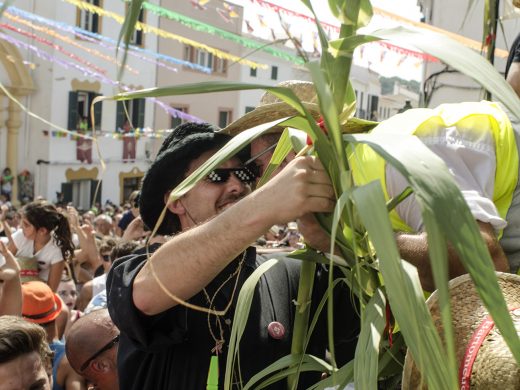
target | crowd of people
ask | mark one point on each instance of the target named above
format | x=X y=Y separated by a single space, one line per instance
x=53 y=266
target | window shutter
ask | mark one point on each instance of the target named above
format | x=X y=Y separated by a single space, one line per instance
x=93 y=186
x=73 y=111
x=97 y=109
x=140 y=117
x=120 y=116
x=66 y=190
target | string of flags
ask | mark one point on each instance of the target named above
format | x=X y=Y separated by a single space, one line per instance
x=137 y=133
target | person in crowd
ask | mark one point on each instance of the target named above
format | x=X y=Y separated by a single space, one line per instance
x=99 y=300
x=512 y=72
x=6 y=183
x=45 y=238
x=10 y=284
x=129 y=214
x=165 y=344
x=97 y=284
x=103 y=225
x=68 y=293
x=473 y=170
x=91 y=349
x=25 y=356
x=42 y=306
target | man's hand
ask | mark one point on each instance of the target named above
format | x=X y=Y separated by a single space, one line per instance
x=302 y=187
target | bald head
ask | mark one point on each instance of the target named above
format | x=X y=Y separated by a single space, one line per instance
x=88 y=335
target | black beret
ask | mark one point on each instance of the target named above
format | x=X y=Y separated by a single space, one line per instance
x=184 y=144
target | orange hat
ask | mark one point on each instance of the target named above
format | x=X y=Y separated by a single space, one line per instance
x=40 y=304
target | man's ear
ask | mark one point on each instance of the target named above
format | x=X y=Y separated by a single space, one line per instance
x=100 y=365
x=176 y=207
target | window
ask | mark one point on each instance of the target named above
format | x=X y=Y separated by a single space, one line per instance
x=203 y=58
x=249 y=109
x=225 y=116
x=88 y=20
x=252 y=72
x=81 y=193
x=135 y=112
x=79 y=108
x=137 y=36
x=274 y=73
x=178 y=121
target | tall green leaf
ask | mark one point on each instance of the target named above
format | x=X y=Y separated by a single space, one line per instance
x=243 y=306
x=441 y=200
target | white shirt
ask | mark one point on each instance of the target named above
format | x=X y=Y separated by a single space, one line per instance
x=470 y=158
x=48 y=255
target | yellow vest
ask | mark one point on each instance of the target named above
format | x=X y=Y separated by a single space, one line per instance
x=484 y=116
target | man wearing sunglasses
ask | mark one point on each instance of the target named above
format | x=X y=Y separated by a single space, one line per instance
x=169 y=339
x=91 y=349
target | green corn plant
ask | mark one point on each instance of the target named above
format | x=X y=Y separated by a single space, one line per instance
x=361 y=233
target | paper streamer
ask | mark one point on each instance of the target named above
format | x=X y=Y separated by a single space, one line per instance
x=97 y=38
x=200 y=26
x=89 y=73
x=146 y=28
x=72 y=42
x=54 y=46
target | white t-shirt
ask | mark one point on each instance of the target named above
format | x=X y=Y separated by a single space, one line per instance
x=48 y=255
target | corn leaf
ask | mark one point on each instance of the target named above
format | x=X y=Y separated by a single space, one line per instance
x=245 y=297
x=440 y=199
x=367 y=350
x=403 y=288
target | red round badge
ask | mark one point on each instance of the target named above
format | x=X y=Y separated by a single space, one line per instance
x=276 y=330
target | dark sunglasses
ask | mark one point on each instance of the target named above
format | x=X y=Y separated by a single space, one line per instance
x=222 y=175
x=108 y=346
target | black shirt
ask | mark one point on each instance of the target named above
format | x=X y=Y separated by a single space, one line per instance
x=172 y=350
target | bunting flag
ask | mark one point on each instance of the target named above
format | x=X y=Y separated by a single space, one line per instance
x=209 y=29
x=332 y=29
x=198 y=4
x=137 y=133
x=146 y=28
x=100 y=39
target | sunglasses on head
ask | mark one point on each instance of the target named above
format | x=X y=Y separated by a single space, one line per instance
x=221 y=175
x=108 y=346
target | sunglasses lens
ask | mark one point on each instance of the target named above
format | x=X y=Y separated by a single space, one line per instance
x=221 y=175
x=218 y=176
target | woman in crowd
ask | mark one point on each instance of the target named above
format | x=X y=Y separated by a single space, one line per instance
x=46 y=238
x=68 y=293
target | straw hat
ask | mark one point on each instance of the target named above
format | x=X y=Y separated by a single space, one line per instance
x=40 y=305
x=272 y=108
x=494 y=366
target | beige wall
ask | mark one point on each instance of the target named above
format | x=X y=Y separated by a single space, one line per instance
x=203 y=106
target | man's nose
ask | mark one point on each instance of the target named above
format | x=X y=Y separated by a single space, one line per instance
x=235 y=184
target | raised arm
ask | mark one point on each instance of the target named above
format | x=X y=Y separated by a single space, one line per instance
x=189 y=261
x=414 y=249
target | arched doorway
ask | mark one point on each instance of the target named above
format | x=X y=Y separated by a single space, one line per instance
x=21 y=84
